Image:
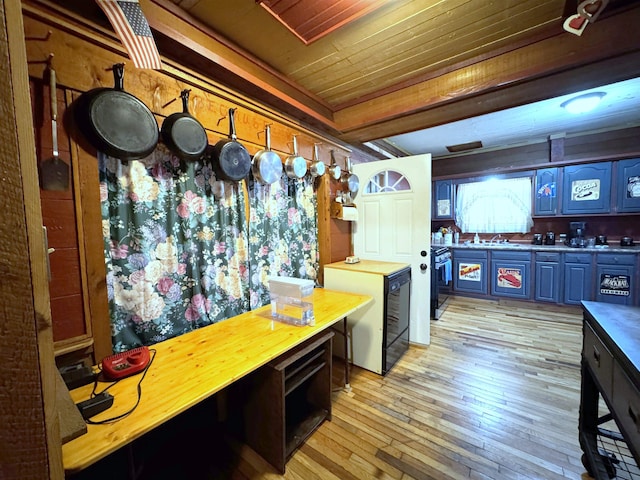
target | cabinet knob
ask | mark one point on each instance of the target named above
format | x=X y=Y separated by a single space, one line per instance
x=423 y=266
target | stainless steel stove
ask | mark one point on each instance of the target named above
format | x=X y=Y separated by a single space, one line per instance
x=441 y=272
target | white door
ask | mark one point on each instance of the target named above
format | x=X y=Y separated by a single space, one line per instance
x=394 y=225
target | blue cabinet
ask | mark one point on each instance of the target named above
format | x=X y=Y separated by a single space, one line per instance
x=470 y=271
x=615 y=278
x=511 y=274
x=443 y=200
x=548 y=277
x=578 y=273
x=546 y=199
x=586 y=188
x=628 y=198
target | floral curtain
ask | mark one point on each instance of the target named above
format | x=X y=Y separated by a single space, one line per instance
x=283 y=226
x=476 y=210
x=175 y=247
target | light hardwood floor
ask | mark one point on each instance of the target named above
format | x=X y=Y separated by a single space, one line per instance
x=495 y=396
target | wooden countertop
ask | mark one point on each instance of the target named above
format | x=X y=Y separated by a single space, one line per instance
x=369 y=266
x=190 y=368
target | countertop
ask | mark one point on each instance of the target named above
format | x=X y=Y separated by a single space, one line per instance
x=369 y=266
x=621 y=324
x=558 y=247
x=191 y=367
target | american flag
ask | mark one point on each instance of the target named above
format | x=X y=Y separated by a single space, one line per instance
x=130 y=24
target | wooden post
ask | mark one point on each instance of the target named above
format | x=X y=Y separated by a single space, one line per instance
x=30 y=435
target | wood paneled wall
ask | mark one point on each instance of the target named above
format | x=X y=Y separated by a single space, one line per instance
x=83 y=55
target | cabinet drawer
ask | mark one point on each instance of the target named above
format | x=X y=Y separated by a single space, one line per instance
x=626 y=404
x=547 y=257
x=469 y=253
x=577 y=258
x=509 y=255
x=616 y=259
x=599 y=359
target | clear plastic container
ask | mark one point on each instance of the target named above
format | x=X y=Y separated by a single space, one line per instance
x=292 y=310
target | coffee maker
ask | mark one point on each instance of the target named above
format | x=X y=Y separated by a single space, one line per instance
x=576 y=237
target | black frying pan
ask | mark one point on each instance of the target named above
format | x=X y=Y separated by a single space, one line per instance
x=115 y=122
x=231 y=160
x=184 y=134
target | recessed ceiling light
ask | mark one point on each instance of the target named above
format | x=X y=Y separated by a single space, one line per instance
x=583 y=103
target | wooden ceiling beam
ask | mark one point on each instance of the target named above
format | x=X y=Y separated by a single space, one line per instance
x=194 y=42
x=542 y=70
x=577 y=79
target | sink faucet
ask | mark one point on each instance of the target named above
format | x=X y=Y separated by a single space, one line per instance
x=495 y=237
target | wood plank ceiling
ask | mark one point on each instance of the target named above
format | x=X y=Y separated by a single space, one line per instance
x=367 y=69
x=403 y=41
x=310 y=20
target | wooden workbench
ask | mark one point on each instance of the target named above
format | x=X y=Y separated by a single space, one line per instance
x=194 y=366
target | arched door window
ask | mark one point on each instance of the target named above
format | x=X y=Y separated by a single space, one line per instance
x=386 y=182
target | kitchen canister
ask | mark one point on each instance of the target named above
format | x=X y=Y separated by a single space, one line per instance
x=448 y=238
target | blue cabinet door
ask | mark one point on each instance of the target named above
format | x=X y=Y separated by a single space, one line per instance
x=470 y=271
x=546 y=200
x=443 y=199
x=615 y=278
x=586 y=188
x=578 y=283
x=511 y=274
x=548 y=277
x=628 y=198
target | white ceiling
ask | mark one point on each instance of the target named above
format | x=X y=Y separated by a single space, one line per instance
x=533 y=123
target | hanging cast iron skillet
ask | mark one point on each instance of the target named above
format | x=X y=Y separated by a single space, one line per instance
x=267 y=165
x=115 y=122
x=184 y=134
x=230 y=160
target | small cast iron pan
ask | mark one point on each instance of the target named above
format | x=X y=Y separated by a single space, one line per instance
x=230 y=159
x=116 y=122
x=183 y=133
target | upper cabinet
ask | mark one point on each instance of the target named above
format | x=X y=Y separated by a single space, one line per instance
x=587 y=189
x=628 y=185
x=443 y=200
x=546 y=199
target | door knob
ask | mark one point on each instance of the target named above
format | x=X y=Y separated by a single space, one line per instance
x=423 y=266
x=423 y=253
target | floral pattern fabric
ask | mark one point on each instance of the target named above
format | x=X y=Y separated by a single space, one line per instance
x=283 y=226
x=180 y=252
x=175 y=247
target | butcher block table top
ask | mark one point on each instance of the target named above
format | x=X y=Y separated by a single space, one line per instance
x=191 y=367
x=369 y=266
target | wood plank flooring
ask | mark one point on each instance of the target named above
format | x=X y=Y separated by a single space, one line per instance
x=495 y=396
